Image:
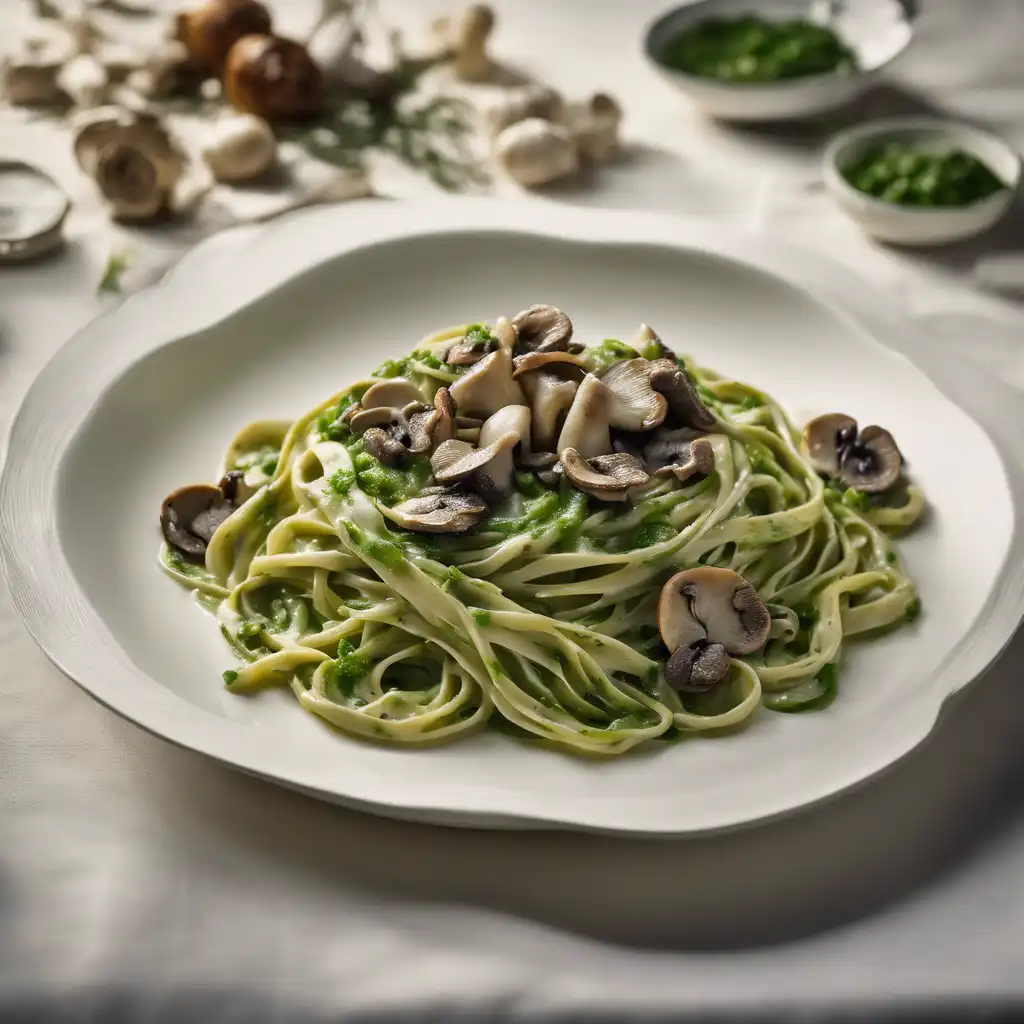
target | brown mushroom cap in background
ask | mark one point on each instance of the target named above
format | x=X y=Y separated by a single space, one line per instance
x=274 y=78
x=212 y=28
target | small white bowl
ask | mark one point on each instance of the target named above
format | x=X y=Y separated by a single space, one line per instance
x=917 y=225
x=877 y=31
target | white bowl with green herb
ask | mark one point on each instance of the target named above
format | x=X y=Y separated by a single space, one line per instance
x=922 y=181
x=776 y=59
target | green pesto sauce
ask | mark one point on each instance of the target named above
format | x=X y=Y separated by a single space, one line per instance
x=610 y=351
x=265 y=456
x=403 y=367
x=387 y=552
x=330 y=424
x=751 y=50
x=391 y=484
x=648 y=534
x=341 y=482
x=910 y=176
x=349 y=668
x=481 y=616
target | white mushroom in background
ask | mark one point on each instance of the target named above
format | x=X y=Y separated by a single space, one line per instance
x=594 y=127
x=469 y=45
x=133 y=159
x=241 y=147
x=522 y=101
x=84 y=79
x=536 y=152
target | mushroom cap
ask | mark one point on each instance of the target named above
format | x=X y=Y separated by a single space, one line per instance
x=190 y=515
x=273 y=77
x=130 y=181
x=634 y=405
x=551 y=396
x=465 y=352
x=440 y=512
x=535 y=360
x=487 y=386
x=535 y=152
x=394 y=393
x=668 y=378
x=513 y=419
x=105 y=127
x=872 y=463
x=241 y=148
x=715 y=605
x=456 y=460
x=697 y=669
x=825 y=438
x=681 y=453
x=212 y=28
x=384 y=446
x=437 y=424
x=543 y=328
x=608 y=477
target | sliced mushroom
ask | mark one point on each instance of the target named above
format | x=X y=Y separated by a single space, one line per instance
x=362 y=419
x=487 y=386
x=621 y=397
x=537 y=460
x=543 y=329
x=608 y=477
x=703 y=607
x=436 y=425
x=466 y=351
x=873 y=462
x=682 y=453
x=520 y=102
x=384 y=446
x=668 y=378
x=697 y=669
x=535 y=360
x=551 y=396
x=826 y=438
x=190 y=516
x=490 y=465
x=869 y=461
x=395 y=393
x=441 y=512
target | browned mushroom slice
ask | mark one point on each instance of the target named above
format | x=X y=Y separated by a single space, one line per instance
x=672 y=381
x=384 y=447
x=543 y=329
x=826 y=438
x=537 y=360
x=487 y=386
x=441 y=512
x=467 y=350
x=432 y=427
x=189 y=517
x=608 y=477
x=872 y=463
x=681 y=453
x=551 y=396
x=697 y=669
x=395 y=393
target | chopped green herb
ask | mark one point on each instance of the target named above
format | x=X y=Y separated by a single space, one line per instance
x=610 y=351
x=229 y=677
x=481 y=616
x=341 y=481
x=751 y=402
x=117 y=263
x=349 y=668
x=859 y=501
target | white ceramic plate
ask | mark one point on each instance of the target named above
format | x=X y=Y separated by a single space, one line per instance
x=268 y=322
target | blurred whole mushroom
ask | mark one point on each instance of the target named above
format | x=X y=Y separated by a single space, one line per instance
x=536 y=152
x=30 y=79
x=521 y=102
x=133 y=159
x=469 y=45
x=212 y=28
x=242 y=147
x=274 y=78
x=85 y=80
x=594 y=126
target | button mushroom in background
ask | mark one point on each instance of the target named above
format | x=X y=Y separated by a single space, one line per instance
x=594 y=127
x=536 y=152
x=469 y=44
x=133 y=159
x=241 y=148
x=210 y=29
x=704 y=615
x=274 y=78
x=869 y=460
x=524 y=101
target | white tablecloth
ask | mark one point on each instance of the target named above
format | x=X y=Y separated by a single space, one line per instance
x=140 y=882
